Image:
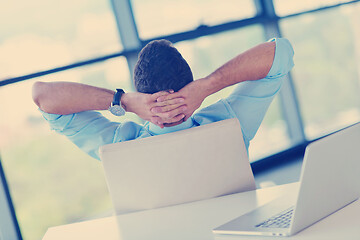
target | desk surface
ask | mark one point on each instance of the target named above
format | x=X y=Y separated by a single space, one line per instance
x=196 y=221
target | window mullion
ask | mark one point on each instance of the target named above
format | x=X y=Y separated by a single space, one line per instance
x=288 y=98
x=127 y=29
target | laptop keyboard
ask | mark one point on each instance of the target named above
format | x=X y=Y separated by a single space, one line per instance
x=281 y=220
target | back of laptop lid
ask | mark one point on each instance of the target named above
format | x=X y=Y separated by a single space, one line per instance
x=194 y=164
x=330 y=178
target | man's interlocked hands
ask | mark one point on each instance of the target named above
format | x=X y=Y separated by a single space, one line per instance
x=172 y=110
x=166 y=108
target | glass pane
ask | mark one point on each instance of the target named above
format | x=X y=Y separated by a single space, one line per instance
x=327 y=70
x=52 y=182
x=206 y=54
x=162 y=17
x=286 y=7
x=41 y=34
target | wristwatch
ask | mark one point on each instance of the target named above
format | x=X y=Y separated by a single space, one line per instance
x=116 y=107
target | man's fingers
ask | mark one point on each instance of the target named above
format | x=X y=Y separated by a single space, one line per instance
x=175 y=119
x=164 y=109
x=168 y=97
x=170 y=114
x=175 y=101
x=157 y=121
x=155 y=96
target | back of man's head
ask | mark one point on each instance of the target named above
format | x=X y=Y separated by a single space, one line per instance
x=161 y=67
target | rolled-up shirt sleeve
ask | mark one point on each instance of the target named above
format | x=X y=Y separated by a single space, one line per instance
x=251 y=99
x=89 y=130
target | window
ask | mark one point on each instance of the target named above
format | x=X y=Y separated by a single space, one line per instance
x=38 y=35
x=52 y=182
x=55 y=183
x=327 y=67
x=162 y=17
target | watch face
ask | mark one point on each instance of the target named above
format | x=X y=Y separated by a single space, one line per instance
x=117 y=110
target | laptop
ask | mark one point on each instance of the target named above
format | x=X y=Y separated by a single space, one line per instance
x=329 y=181
x=194 y=164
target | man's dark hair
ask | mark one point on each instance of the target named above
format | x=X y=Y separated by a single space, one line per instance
x=161 y=67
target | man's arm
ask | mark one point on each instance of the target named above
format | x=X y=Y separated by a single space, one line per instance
x=68 y=97
x=254 y=64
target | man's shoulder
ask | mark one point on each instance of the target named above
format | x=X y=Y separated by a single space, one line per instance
x=130 y=130
x=215 y=112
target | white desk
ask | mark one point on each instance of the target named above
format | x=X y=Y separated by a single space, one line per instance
x=196 y=220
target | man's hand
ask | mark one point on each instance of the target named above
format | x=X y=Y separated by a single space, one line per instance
x=141 y=104
x=192 y=94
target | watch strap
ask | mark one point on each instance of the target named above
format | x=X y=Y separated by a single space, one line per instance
x=117 y=96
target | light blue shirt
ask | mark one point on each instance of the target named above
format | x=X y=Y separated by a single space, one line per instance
x=248 y=102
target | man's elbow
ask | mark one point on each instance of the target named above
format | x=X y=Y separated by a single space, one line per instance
x=283 y=60
x=39 y=94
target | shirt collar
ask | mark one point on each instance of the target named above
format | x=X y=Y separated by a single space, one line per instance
x=155 y=130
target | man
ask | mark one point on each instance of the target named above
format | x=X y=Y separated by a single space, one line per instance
x=167 y=96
